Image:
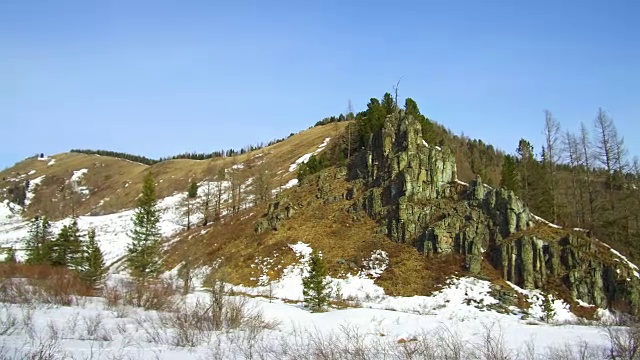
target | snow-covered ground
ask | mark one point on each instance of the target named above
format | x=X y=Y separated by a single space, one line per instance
x=382 y=326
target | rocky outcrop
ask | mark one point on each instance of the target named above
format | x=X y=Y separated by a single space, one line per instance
x=277 y=211
x=410 y=187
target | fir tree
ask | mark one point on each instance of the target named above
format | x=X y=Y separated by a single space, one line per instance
x=315 y=285
x=93 y=268
x=143 y=253
x=66 y=249
x=38 y=243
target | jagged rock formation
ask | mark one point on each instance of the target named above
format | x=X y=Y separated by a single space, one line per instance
x=410 y=187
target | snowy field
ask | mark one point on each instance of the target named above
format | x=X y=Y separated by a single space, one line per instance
x=453 y=323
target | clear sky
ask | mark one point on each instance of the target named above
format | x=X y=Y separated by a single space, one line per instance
x=157 y=78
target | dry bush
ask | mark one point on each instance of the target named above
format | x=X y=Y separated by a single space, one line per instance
x=22 y=284
x=492 y=346
x=625 y=342
x=159 y=295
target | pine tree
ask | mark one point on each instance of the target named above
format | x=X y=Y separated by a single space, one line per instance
x=143 y=253
x=548 y=310
x=10 y=256
x=315 y=285
x=93 y=268
x=38 y=243
x=509 y=179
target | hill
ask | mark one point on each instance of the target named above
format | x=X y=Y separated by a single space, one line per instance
x=352 y=189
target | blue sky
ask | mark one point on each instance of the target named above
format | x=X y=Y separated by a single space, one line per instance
x=161 y=77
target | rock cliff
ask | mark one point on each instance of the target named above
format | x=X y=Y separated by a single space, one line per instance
x=410 y=188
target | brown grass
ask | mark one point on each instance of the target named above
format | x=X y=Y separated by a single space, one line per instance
x=118 y=181
x=47 y=284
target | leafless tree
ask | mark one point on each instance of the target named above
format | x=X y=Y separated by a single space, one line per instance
x=262 y=183
x=552 y=137
x=587 y=163
x=574 y=157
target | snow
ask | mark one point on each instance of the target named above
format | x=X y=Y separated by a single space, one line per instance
x=31 y=191
x=291 y=183
x=304 y=158
x=456 y=312
x=425 y=143
x=31 y=172
x=44 y=158
x=75 y=180
x=78 y=174
x=438 y=147
x=52 y=162
x=460 y=309
x=546 y=222
x=462 y=182
x=536 y=298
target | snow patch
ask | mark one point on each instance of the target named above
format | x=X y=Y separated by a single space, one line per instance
x=52 y=162
x=31 y=190
x=536 y=298
x=304 y=158
x=290 y=184
x=546 y=222
x=31 y=172
x=425 y=143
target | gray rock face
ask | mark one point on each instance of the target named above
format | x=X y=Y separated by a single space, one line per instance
x=277 y=211
x=410 y=188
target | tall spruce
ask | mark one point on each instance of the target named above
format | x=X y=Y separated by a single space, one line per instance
x=144 y=252
x=315 y=286
x=93 y=267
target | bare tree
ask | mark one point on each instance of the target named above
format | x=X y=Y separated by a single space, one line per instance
x=587 y=156
x=574 y=157
x=609 y=151
x=219 y=189
x=395 y=91
x=206 y=203
x=262 y=183
x=552 y=137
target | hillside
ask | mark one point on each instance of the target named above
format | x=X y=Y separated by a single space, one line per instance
x=394 y=194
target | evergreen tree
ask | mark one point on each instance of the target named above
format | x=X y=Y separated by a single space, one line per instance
x=10 y=256
x=143 y=253
x=388 y=104
x=509 y=179
x=38 y=243
x=547 y=309
x=93 y=268
x=66 y=249
x=315 y=285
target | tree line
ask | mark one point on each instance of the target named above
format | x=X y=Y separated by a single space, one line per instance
x=583 y=178
x=187 y=155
